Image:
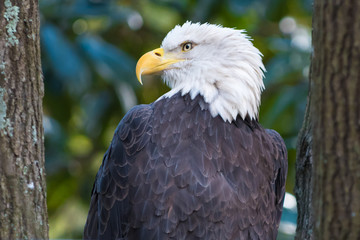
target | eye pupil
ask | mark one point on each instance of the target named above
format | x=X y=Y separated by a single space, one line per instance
x=187 y=46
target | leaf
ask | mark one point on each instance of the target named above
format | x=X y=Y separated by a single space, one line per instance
x=109 y=61
x=276 y=9
x=203 y=10
x=110 y=10
x=287 y=97
x=240 y=7
x=95 y=106
x=93 y=8
x=64 y=61
x=284 y=65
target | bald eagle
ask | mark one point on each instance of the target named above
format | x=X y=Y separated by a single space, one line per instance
x=196 y=163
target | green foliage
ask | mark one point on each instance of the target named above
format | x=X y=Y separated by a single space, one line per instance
x=89 y=51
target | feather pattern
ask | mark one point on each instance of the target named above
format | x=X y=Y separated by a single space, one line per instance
x=173 y=171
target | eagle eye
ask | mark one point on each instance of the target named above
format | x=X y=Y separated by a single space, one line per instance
x=187 y=46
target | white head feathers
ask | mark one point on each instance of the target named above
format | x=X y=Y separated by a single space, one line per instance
x=223 y=66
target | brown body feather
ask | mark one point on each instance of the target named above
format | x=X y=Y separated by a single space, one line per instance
x=173 y=171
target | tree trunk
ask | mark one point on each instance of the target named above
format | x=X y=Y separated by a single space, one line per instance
x=23 y=212
x=303 y=182
x=329 y=143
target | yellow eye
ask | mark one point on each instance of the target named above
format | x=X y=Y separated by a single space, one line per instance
x=187 y=46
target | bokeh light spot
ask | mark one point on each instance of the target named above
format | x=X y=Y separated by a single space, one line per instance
x=287 y=25
x=80 y=26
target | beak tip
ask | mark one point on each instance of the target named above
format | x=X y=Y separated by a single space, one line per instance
x=138 y=76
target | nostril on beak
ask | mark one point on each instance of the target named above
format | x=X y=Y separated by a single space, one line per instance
x=159 y=52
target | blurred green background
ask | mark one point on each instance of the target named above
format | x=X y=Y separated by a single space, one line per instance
x=89 y=52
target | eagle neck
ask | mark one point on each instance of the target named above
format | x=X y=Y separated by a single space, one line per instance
x=229 y=98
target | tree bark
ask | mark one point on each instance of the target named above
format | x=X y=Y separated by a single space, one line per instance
x=23 y=212
x=329 y=143
x=303 y=182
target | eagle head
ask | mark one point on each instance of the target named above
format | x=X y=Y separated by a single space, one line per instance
x=221 y=64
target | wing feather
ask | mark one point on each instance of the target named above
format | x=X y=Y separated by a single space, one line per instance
x=109 y=206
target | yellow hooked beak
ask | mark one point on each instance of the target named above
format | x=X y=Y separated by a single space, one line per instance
x=153 y=62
